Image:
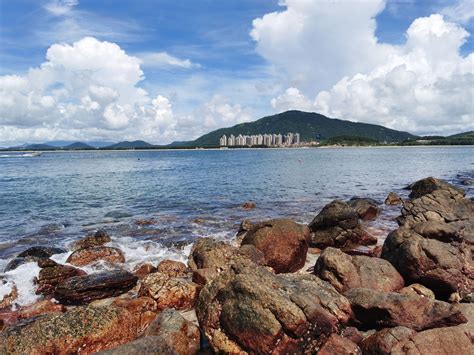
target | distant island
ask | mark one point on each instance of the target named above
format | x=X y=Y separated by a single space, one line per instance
x=312 y=129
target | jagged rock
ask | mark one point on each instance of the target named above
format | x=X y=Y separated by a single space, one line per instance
x=339 y=345
x=33 y=254
x=151 y=345
x=283 y=243
x=173 y=268
x=97 y=239
x=84 y=289
x=248 y=308
x=353 y=334
x=52 y=274
x=82 y=329
x=144 y=269
x=8 y=299
x=377 y=310
x=209 y=257
x=88 y=256
x=181 y=335
x=444 y=268
x=418 y=290
x=429 y=185
x=169 y=292
x=40 y=308
x=383 y=341
x=366 y=208
x=393 y=199
x=337 y=225
x=345 y=272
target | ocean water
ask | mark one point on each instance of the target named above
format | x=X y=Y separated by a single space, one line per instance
x=156 y=203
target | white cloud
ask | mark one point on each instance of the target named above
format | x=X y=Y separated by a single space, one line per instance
x=292 y=99
x=462 y=11
x=163 y=60
x=60 y=7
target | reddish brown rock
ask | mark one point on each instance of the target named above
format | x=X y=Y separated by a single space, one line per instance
x=344 y=271
x=52 y=274
x=283 y=242
x=40 y=308
x=33 y=254
x=366 y=208
x=249 y=205
x=144 y=269
x=339 y=345
x=418 y=290
x=169 y=292
x=377 y=310
x=249 y=308
x=353 y=334
x=8 y=299
x=429 y=185
x=97 y=239
x=173 y=268
x=88 y=256
x=393 y=199
x=384 y=341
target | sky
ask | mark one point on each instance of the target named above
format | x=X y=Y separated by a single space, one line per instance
x=165 y=71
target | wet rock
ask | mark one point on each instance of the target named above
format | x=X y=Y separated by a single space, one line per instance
x=384 y=341
x=339 y=345
x=429 y=185
x=146 y=222
x=41 y=308
x=248 y=308
x=84 y=289
x=169 y=292
x=99 y=238
x=283 y=243
x=467 y=182
x=209 y=257
x=52 y=274
x=444 y=268
x=83 y=329
x=366 y=208
x=393 y=199
x=181 y=335
x=418 y=290
x=337 y=225
x=33 y=254
x=144 y=269
x=147 y=345
x=345 y=272
x=88 y=256
x=244 y=227
x=249 y=205
x=173 y=268
x=8 y=299
x=376 y=309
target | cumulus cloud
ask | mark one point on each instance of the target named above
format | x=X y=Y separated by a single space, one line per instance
x=163 y=60
x=424 y=85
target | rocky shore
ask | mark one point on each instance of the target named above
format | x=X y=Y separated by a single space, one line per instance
x=282 y=288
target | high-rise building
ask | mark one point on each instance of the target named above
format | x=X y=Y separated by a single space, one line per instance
x=297 y=139
x=266 y=139
x=231 y=141
x=223 y=141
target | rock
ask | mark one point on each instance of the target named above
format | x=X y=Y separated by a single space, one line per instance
x=181 y=335
x=209 y=257
x=467 y=182
x=147 y=345
x=345 y=272
x=143 y=308
x=88 y=256
x=337 y=225
x=377 y=310
x=41 y=308
x=248 y=308
x=283 y=243
x=393 y=199
x=366 y=208
x=84 y=289
x=418 y=290
x=52 y=274
x=429 y=185
x=383 y=341
x=444 y=268
x=82 y=329
x=33 y=254
x=353 y=334
x=444 y=232
x=173 y=268
x=249 y=205
x=244 y=227
x=339 y=345
x=169 y=292
x=144 y=269
x=10 y=297
x=99 y=238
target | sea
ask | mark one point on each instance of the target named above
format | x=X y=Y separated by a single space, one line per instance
x=156 y=203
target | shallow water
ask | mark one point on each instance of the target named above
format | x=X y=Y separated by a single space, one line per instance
x=155 y=203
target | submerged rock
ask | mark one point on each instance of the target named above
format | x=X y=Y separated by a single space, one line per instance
x=249 y=205
x=283 y=243
x=248 y=308
x=33 y=254
x=84 y=289
x=366 y=208
x=393 y=199
x=88 y=256
x=99 y=238
x=345 y=272
x=337 y=225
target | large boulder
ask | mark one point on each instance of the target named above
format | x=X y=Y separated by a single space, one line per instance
x=84 y=289
x=339 y=345
x=80 y=330
x=283 y=242
x=97 y=239
x=429 y=185
x=52 y=274
x=169 y=292
x=209 y=257
x=91 y=255
x=344 y=271
x=152 y=345
x=384 y=341
x=378 y=309
x=173 y=268
x=337 y=225
x=248 y=308
x=366 y=208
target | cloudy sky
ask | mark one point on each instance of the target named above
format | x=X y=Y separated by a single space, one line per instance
x=163 y=70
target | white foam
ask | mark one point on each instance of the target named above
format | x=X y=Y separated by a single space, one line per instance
x=23 y=277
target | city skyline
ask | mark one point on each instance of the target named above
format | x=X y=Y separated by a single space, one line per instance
x=265 y=139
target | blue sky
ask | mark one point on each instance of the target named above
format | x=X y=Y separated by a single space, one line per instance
x=210 y=71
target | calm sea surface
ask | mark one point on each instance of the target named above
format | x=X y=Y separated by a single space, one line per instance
x=156 y=202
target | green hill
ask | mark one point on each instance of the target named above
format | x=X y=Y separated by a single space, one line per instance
x=78 y=146
x=130 y=145
x=311 y=126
